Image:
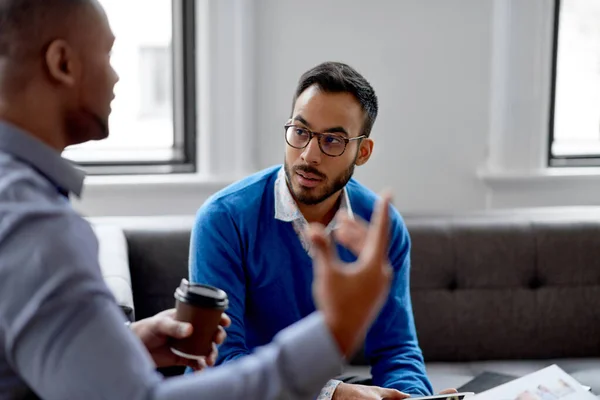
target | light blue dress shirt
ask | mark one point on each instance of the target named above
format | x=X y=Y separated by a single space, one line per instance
x=61 y=332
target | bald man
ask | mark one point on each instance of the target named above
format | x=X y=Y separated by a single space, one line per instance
x=62 y=335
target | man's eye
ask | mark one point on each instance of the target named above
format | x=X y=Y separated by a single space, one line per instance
x=333 y=140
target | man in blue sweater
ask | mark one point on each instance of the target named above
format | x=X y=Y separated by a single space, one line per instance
x=249 y=239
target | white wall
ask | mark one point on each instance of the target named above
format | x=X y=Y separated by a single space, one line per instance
x=463 y=88
x=429 y=62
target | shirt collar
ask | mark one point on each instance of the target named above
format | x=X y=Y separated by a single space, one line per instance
x=286 y=208
x=47 y=161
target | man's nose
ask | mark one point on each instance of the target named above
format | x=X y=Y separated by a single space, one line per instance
x=312 y=153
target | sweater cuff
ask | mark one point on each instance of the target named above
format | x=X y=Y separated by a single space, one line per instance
x=328 y=390
x=416 y=391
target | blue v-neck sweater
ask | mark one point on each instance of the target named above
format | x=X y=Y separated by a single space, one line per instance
x=239 y=246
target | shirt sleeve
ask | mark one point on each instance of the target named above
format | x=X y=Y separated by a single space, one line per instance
x=391 y=345
x=63 y=333
x=216 y=259
x=328 y=390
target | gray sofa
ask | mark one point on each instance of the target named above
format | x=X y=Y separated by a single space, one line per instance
x=507 y=291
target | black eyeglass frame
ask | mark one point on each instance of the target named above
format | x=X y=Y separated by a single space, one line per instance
x=318 y=135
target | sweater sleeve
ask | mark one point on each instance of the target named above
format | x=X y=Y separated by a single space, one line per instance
x=216 y=259
x=391 y=345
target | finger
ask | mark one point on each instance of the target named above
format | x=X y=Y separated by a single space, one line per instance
x=324 y=251
x=448 y=391
x=169 y=327
x=212 y=358
x=376 y=244
x=186 y=362
x=225 y=321
x=197 y=365
x=392 y=394
x=351 y=234
x=355 y=219
x=342 y=216
x=220 y=336
x=168 y=313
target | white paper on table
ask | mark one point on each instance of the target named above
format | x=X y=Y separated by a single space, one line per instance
x=550 y=383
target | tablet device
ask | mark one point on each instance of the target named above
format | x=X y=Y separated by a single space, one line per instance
x=453 y=396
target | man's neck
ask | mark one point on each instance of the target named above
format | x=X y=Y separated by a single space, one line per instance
x=22 y=118
x=322 y=212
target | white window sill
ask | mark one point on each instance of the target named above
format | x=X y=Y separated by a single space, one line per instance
x=135 y=182
x=546 y=187
x=541 y=176
x=145 y=195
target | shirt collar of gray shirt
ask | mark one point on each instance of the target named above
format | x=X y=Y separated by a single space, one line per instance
x=47 y=161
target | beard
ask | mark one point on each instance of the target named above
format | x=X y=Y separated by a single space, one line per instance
x=316 y=195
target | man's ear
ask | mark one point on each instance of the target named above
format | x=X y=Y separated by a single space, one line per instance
x=61 y=63
x=364 y=151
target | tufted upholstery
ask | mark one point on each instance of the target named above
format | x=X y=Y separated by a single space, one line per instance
x=504 y=291
x=484 y=288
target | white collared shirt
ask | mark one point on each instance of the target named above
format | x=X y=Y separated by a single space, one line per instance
x=286 y=209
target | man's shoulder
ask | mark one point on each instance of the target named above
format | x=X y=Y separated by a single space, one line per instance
x=243 y=195
x=20 y=183
x=41 y=235
x=17 y=178
x=41 y=224
x=29 y=201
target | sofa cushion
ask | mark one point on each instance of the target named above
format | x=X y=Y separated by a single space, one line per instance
x=114 y=264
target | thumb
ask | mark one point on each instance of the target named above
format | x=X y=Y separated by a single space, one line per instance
x=173 y=328
x=392 y=394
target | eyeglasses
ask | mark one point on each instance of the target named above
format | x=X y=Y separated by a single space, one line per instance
x=330 y=144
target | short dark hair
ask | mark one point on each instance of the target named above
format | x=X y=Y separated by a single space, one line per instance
x=337 y=77
x=26 y=24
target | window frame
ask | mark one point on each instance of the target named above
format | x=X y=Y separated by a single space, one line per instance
x=184 y=77
x=562 y=161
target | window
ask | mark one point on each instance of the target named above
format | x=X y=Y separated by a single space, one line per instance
x=575 y=116
x=152 y=125
x=155 y=70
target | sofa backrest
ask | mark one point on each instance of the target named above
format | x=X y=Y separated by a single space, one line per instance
x=514 y=284
x=514 y=287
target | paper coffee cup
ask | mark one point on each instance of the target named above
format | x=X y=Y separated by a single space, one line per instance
x=201 y=306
